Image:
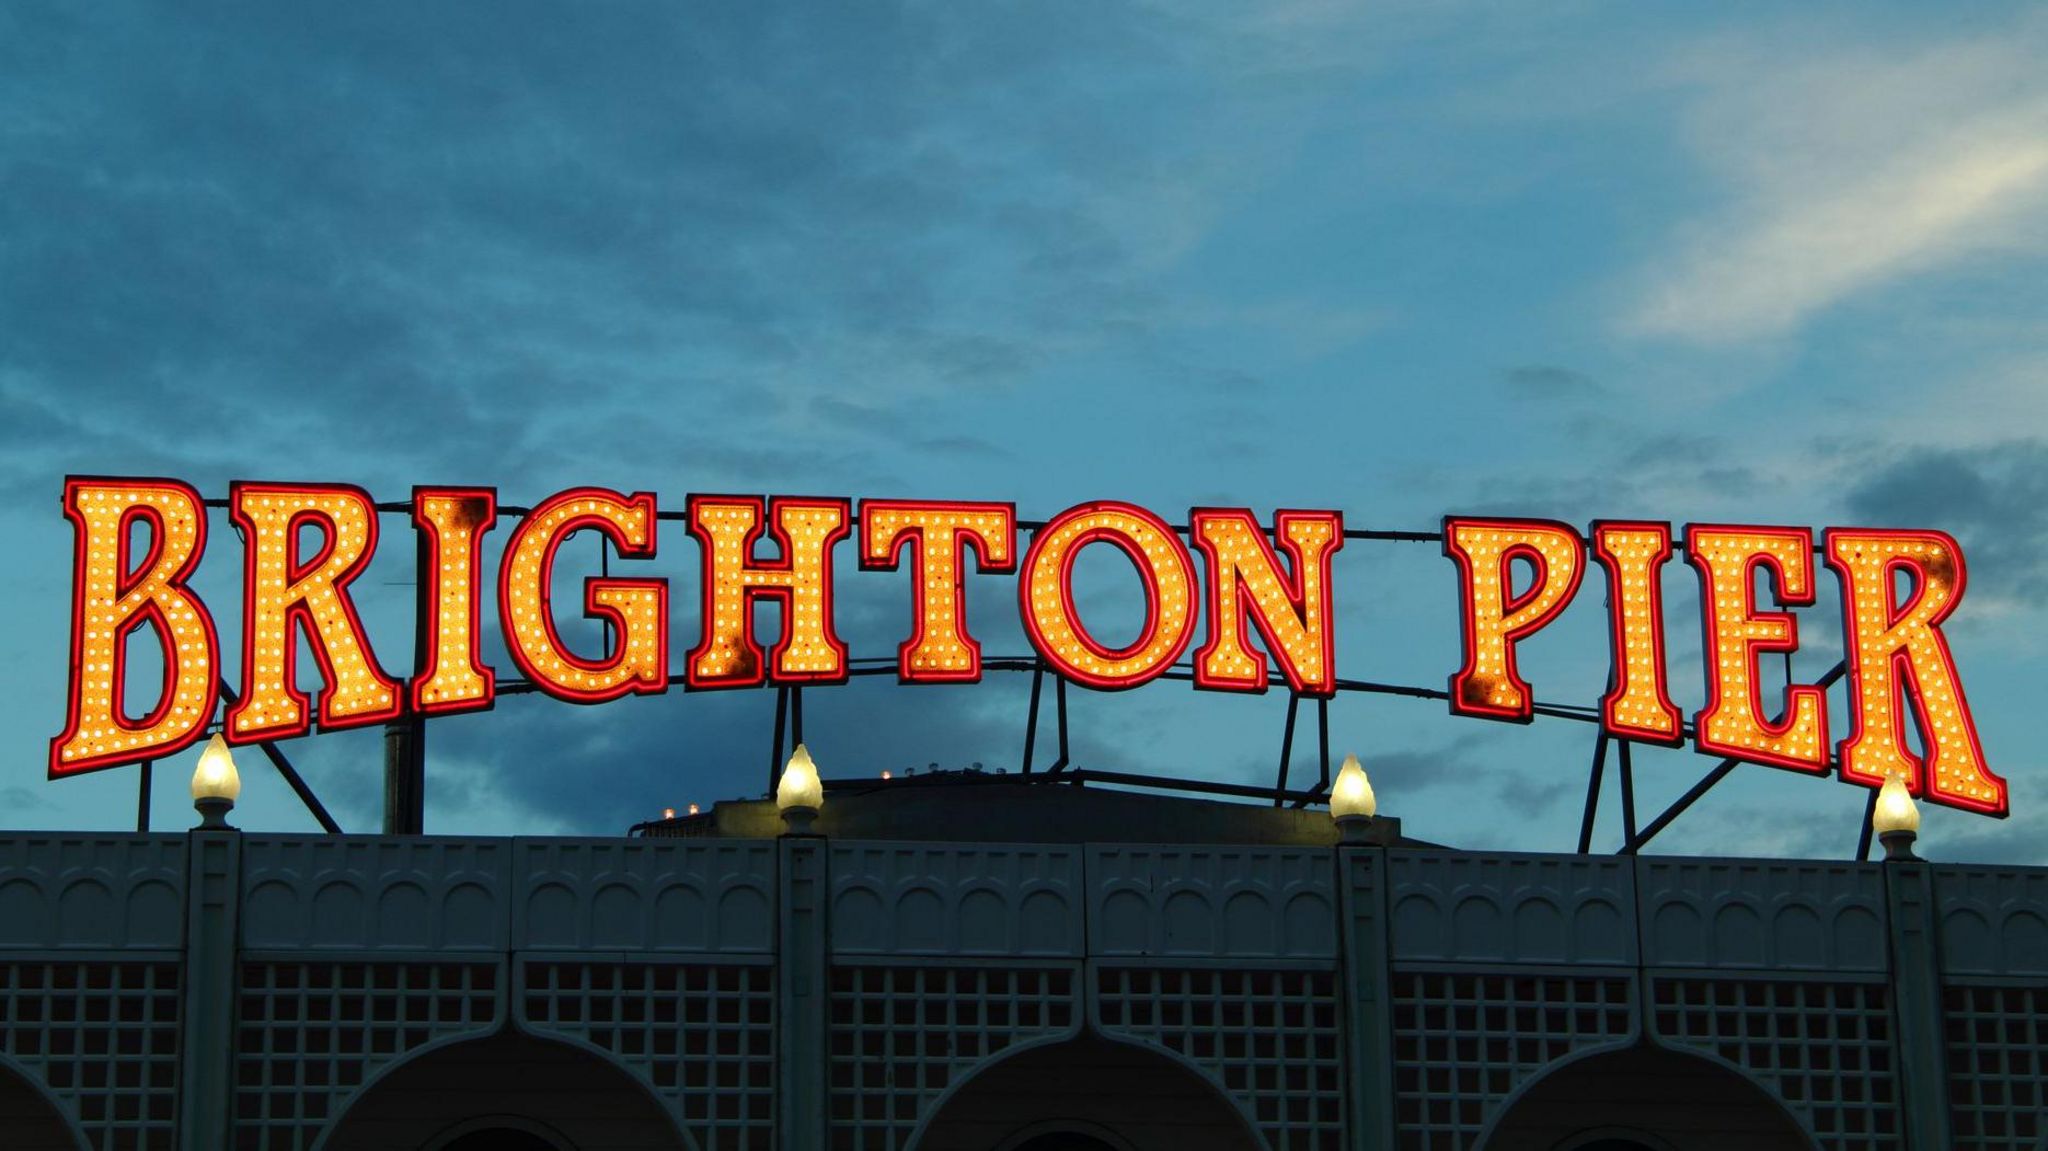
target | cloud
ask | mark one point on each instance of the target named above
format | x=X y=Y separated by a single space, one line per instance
x=1847 y=170
x=1994 y=500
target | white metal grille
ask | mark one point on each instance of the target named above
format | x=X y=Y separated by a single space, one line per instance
x=1998 y=1066
x=1825 y=1047
x=105 y=1036
x=703 y=1035
x=1464 y=1040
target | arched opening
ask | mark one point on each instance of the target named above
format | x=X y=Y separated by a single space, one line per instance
x=506 y=1092
x=1646 y=1098
x=1087 y=1094
x=31 y=1121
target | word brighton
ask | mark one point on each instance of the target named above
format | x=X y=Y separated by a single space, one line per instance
x=1897 y=589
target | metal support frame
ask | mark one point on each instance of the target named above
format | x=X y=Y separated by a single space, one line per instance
x=284 y=768
x=1634 y=843
x=1059 y=697
x=405 y=738
x=1593 y=792
x=1286 y=748
x=1863 y=836
x=789 y=715
x=142 y=795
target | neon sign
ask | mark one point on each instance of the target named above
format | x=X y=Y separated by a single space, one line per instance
x=1515 y=577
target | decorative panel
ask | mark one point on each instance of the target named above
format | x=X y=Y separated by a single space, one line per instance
x=703 y=1036
x=1994 y=920
x=955 y=899
x=900 y=1034
x=661 y=895
x=1463 y=1041
x=1824 y=1047
x=1212 y=902
x=1997 y=1067
x=1270 y=1037
x=1761 y=914
x=1511 y=908
x=374 y=894
x=103 y=1035
x=92 y=891
x=313 y=1033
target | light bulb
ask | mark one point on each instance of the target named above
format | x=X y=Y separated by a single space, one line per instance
x=1895 y=808
x=800 y=786
x=1351 y=794
x=216 y=777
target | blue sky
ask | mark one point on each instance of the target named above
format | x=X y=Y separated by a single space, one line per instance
x=1739 y=263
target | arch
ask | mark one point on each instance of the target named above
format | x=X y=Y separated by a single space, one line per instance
x=575 y=1095
x=1658 y=1096
x=1132 y=1095
x=490 y=1131
x=33 y=1117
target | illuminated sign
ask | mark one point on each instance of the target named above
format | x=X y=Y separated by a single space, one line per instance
x=1260 y=597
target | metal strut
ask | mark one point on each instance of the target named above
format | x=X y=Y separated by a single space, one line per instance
x=1031 y=717
x=1593 y=792
x=1706 y=784
x=291 y=775
x=1286 y=749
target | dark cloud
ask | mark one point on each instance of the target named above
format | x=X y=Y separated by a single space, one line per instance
x=1994 y=500
x=382 y=240
x=1470 y=761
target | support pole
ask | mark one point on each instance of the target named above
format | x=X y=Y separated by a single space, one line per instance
x=1031 y=717
x=1628 y=795
x=207 y=1057
x=142 y=795
x=801 y=1072
x=1593 y=792
x=1368 y=999
x=775 y=748
x=405 y=777
x=1286 y=748
x=1863 y=837
x=1916 y=1005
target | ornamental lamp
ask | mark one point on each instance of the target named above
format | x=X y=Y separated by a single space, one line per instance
x=1352 y=803
x=1896 y=820
x=216 y=785
x=801 y=793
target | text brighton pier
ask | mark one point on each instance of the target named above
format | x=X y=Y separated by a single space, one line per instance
x=1273 y=580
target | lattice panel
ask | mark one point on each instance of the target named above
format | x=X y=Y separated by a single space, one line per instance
x=312 y=1033
x=1998 y=1066
x=1271 y=1037
x=900 y=1035
x=703 y=1035
x=1464 y=1040
x=1826 y=1048
x=105 y=1037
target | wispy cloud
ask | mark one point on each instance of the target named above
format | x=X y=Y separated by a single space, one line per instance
x=1845 y=171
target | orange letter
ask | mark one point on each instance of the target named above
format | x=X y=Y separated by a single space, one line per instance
x=809 y=650
x=1047 y=594
x=1246 y=585
x=1896 y=653
x=1638 y=701
x=1487 y=684
x=451 y=523
x=282 y=590
x=113 y=594
x=937 y=534
x=635 y=610
x=1732 y=723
